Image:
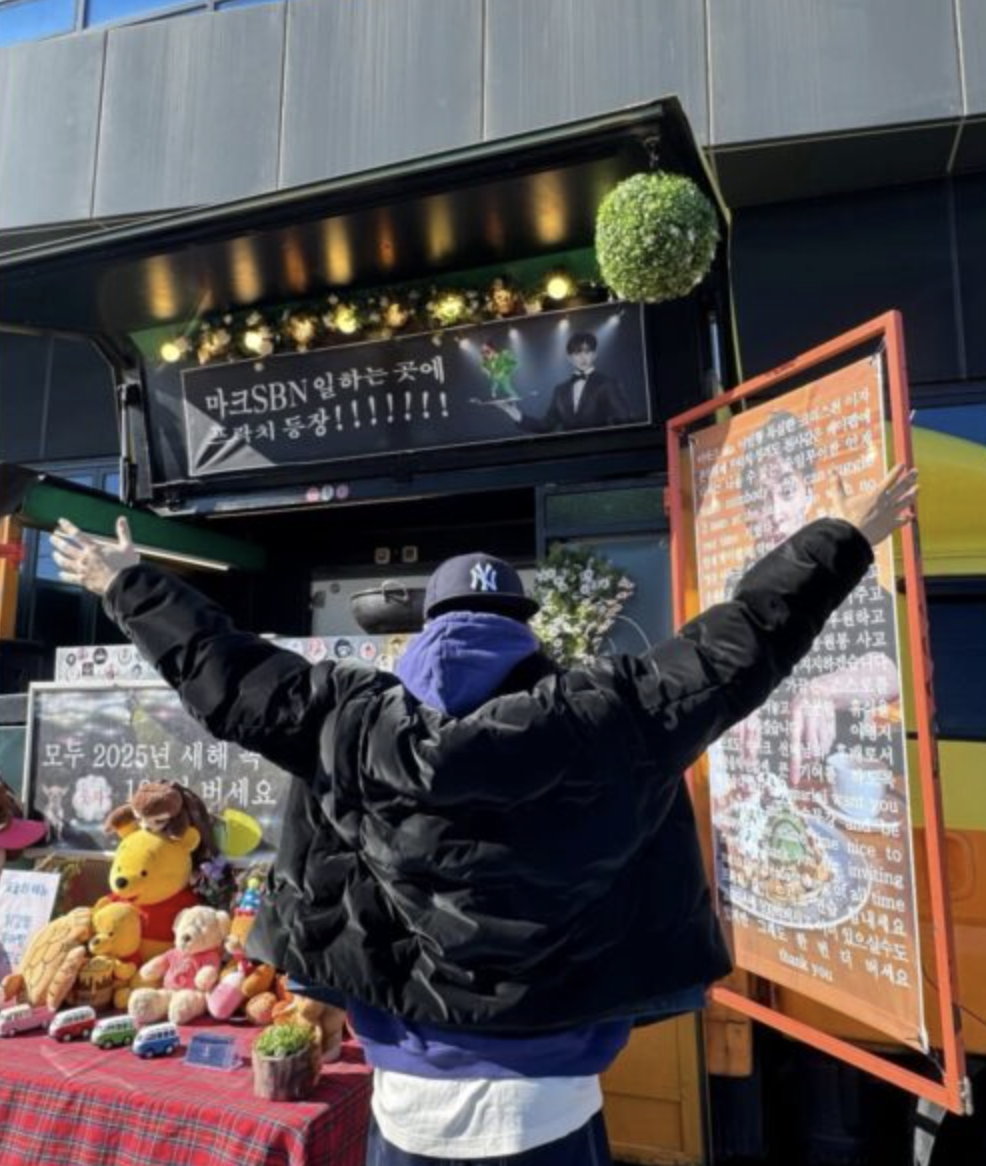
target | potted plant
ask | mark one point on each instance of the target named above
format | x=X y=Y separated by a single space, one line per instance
x=286 y=1062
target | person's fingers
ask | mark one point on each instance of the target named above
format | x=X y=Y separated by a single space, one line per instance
x=69 y=549
x=123 y=534
x=69 y=531
x=902 y=485
x=893 y=475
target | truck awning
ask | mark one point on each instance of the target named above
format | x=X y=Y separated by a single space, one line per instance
x=38 y=500
x=529 y=195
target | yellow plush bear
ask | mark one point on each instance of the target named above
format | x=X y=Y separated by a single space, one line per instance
x=159 y=848
x=113 y=948
x=185 y=973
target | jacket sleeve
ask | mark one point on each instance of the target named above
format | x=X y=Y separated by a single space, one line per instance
x=238 y=685
x=724 y=664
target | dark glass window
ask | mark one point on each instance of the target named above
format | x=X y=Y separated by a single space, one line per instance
x=23 y=376
x=81 y=420
x=35 y=19
x=958 y=652
x=107 y=11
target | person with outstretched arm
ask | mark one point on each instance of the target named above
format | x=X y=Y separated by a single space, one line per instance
x=490 y=860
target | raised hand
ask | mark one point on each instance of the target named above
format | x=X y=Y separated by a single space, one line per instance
x=877 y=513
x=92 y=563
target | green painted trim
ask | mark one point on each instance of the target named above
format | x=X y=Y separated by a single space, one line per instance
x=45 y=502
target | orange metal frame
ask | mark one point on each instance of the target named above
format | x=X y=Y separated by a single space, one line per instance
x=951 y=1091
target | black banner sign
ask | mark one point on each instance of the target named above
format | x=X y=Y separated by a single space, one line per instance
x=91 y=746
x=545 y=375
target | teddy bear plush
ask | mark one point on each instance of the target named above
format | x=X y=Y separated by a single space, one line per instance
x=328 y=1022
x=243 y=983
x=113 y=950
x=186 y=973
x=165 y=834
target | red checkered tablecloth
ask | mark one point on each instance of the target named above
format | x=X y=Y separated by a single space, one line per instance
x=76 y=1105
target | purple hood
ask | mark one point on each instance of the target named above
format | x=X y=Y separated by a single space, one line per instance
x=461 y=659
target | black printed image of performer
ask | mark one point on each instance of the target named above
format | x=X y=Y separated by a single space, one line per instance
x=586 y=399
x=817 y=713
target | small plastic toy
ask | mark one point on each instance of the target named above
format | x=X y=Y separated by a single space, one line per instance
x=72 y=1023
x=113 y=1032
x=156 y=1040
x=23 y=1018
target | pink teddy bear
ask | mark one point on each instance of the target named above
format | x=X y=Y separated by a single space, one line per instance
x=185 y=973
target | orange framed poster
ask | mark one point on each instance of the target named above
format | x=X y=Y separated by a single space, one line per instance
x=809 y=815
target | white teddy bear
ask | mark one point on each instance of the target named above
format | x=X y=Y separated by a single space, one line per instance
x=186 y=972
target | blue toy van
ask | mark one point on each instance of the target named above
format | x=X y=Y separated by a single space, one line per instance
x=157 y=1040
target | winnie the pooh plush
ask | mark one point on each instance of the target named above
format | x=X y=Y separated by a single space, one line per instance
x=113 y=950
x=185 y=973
x=165 y=833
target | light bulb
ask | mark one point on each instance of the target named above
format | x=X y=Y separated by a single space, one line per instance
x=346 y=321
x=253 y=340
x=559 y=286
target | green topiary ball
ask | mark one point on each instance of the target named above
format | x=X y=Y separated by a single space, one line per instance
x=656 y=236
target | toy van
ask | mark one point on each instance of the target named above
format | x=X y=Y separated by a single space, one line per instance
x=113 y=1032
x=23 y=1018
x=72 y=1023
x=157 y=1040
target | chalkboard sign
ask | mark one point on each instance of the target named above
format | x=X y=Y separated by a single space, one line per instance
x=90 y=746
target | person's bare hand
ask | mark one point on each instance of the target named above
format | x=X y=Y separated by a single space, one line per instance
x=92 y=563
x=877 y=513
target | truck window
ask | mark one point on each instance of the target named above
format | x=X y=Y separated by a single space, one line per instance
x=958 y=651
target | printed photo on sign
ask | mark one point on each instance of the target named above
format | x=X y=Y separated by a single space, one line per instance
x=554 y=374
x=810 y=809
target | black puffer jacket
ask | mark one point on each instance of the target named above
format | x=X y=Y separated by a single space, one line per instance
x=528 y=867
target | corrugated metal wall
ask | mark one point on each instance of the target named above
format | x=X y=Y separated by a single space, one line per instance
x=212 y=107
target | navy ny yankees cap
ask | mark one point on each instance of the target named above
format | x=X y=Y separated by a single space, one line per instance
x=477 y=582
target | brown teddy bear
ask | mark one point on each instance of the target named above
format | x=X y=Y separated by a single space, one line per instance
x=329 y=1023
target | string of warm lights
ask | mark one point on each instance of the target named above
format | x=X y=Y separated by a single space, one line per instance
x=340 y=318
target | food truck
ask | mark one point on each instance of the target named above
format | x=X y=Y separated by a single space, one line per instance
x=323 y=392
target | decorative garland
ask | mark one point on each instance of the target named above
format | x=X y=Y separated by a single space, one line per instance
x=656 y=237
x=339 y=319
x=581 y=594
